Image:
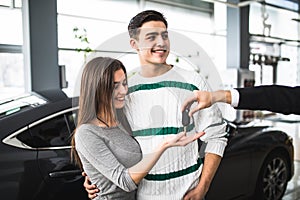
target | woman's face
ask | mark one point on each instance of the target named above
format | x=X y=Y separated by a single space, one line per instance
x=120 y=89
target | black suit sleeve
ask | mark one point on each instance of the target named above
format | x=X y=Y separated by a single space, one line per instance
x=275 y=98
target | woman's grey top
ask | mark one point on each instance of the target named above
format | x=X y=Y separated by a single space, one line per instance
x=106 y=155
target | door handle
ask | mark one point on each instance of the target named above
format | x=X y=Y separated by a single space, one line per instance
x=63 y=174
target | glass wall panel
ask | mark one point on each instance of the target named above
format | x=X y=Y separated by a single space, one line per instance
x=11 y=75
x=280 y=21
x=287 y=71
x=280 y=39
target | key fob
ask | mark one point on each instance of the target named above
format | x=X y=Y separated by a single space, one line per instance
x=185 y=117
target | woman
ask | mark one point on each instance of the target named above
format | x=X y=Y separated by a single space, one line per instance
x=105 y=151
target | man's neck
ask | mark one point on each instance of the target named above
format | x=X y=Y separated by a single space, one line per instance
x=154 y=70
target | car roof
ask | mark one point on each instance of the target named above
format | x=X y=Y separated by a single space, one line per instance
x=49 y=104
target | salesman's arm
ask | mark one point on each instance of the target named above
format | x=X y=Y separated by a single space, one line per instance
x=275 y=98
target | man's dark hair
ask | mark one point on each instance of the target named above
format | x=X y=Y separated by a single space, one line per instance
x=137 y=21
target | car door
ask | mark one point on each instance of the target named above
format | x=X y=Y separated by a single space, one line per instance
x=61 y=178
x=19 y=171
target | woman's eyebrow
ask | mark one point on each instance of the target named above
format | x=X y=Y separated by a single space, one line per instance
x=116 y=82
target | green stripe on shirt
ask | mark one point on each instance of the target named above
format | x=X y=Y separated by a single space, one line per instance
x=163 y=177
x=162 y=84
x=161 y=131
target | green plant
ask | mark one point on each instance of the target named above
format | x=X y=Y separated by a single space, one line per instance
x=81 y=34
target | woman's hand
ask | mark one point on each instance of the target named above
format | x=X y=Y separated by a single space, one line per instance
x=141 y=169
x=180 y=139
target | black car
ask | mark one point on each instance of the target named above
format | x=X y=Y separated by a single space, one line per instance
x=258 y=163
x=35 y=163
x=35 y=148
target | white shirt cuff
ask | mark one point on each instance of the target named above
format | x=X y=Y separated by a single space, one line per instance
x=235 y=97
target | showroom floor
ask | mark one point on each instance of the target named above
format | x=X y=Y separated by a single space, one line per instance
x=293 y=188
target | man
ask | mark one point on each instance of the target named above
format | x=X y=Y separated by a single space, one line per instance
x=275 y=98
x=156 y=93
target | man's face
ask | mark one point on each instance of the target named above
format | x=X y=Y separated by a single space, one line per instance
x=153 y=43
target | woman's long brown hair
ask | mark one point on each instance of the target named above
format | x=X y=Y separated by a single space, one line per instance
x=96 y=90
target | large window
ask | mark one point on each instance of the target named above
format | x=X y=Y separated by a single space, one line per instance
x=99 y=23
x=11 y=58
x=11 y=74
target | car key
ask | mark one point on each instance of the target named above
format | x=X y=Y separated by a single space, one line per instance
x=185 y=118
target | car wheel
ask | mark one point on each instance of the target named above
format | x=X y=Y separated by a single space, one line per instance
x=273 y=178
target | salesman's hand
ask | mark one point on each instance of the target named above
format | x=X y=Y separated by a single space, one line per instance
x=92 y=190
x=204 y=99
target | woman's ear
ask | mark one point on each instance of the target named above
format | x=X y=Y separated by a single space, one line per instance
x=133 y=43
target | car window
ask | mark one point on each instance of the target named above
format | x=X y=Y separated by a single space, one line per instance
x=54 y=132
x=71 y=118
x=51 y=133
x=26 y=138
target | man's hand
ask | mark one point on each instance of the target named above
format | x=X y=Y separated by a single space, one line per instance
x=204 y=99
x=92 y=190
x=195 y=194
x=210 y=166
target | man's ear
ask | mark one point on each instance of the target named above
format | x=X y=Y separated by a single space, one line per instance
x=134 y=44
